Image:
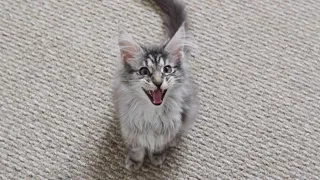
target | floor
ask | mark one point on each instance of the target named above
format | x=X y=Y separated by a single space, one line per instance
x=257 y=66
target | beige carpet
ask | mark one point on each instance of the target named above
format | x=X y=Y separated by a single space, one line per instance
x=258 y=67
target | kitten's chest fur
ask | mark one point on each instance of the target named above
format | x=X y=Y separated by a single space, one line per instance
x=150 y=126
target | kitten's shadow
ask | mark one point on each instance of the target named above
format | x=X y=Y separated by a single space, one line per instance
x=109 y=164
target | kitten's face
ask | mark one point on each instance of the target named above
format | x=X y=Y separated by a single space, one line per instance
x=153 y=74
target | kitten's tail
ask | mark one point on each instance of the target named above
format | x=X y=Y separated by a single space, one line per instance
x=175 y=15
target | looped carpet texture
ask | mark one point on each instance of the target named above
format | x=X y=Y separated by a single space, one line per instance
x=257 y=66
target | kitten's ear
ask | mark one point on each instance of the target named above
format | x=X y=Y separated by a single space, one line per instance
x=128 y=47
x=179 y=43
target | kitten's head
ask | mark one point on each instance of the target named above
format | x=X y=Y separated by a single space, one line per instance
x=156 y=71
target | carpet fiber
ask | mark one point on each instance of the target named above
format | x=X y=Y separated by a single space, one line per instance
x=257 y=65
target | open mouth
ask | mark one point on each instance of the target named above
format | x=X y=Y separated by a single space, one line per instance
x=156 y=96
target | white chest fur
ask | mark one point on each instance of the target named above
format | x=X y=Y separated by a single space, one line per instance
x=143 y=124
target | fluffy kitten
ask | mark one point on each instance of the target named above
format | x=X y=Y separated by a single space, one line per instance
x=154 y=94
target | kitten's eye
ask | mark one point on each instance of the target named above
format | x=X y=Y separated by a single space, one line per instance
x=167 y=69
x=144 y=71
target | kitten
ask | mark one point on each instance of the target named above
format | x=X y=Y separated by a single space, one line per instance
x=154 y=95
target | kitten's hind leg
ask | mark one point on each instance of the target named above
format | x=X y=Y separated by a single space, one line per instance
x=158 y=156
x=174 y=142
x=189 y=115
x=135 y=158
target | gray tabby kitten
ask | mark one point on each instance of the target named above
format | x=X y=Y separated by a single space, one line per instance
x=154 y=94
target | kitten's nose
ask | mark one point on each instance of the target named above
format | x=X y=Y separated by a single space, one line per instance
x=157 y=83
x=157 y=80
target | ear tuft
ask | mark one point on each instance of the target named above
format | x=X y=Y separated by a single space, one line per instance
x=128 y=47
x=180 y=43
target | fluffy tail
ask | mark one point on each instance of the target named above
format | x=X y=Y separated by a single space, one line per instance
x=175 y=15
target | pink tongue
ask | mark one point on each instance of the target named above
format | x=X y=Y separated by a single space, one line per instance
x=157 y=95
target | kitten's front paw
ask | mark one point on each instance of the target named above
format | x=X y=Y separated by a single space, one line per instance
x=157 y=158
x=133 y=165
